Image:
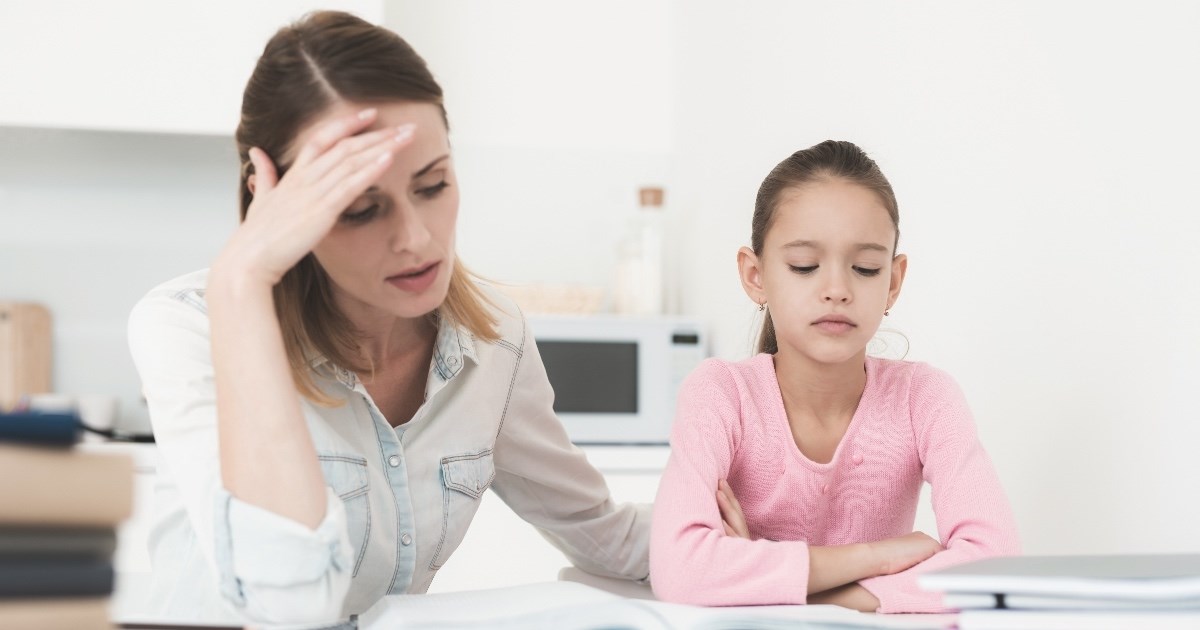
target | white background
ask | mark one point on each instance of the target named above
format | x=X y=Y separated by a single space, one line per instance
x=1044 y=155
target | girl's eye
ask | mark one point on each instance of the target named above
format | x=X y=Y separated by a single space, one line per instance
x=360 y=216
x=804 y=271
x=432 y=191
x=865 y=271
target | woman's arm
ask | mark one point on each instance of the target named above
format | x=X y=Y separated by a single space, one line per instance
x=267 y=455
x=549 y=483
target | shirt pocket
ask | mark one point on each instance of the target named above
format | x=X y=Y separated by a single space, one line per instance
x=347 y=475
x=465 y=478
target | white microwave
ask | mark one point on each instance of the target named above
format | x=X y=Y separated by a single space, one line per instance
x=615 y=378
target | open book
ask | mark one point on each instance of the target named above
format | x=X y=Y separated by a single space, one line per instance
x=574 y=606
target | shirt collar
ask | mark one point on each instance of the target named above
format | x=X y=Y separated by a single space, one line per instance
x=453 y=346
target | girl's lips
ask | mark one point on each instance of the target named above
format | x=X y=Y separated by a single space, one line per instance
x=416 y=282
x=835 y=324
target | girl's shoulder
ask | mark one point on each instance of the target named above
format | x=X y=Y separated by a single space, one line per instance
x=908 y=375
x=916 y=385
x=752 y=378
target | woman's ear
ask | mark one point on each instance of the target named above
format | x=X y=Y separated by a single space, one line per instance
x=899 y=268
x=250 y=183
x=751 y=275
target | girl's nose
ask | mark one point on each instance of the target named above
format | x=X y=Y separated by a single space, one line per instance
x=836 y=290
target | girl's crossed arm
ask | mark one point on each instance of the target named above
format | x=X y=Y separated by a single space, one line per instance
x=697 y=557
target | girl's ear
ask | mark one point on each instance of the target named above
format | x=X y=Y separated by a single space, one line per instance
x=899 y=268
x=751 y=275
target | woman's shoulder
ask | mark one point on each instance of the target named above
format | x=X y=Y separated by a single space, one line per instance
x=187 y=289
x=178 y=300
x=510 y=325
x=170 y=319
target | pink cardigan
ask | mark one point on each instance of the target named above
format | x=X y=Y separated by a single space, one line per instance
x=912 y=425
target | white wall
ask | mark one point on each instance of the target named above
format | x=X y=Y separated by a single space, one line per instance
x=1044 y=156
x=90 y=221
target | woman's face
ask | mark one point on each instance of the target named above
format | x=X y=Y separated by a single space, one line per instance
x=392 y=250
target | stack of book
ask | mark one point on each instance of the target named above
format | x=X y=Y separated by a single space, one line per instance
x=59 y=508
x=1094 y=592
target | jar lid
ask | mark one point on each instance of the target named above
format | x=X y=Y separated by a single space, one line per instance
x=650 y=196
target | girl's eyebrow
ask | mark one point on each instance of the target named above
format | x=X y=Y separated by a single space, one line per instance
x=857 y=246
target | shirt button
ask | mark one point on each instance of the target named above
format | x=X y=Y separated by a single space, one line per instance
x=405 y=539
x=824 y=488
x=453 y=361
x=394 y=461
x=858 y=458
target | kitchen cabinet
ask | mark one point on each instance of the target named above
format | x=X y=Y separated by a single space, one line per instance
x=139 y=65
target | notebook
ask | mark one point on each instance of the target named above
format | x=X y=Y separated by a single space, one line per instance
x=1164 y=578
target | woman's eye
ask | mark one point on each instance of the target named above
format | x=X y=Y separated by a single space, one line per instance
x=866 y=271
x=803 y=270
x=432 y=191
x=360 y=216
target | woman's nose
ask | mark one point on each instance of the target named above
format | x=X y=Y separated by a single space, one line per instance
x=409 y=233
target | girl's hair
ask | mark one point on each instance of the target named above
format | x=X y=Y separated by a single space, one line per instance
x=830 y=160
x=305 y=69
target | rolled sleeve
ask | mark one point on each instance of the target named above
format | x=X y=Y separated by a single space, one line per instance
x=548 y=482
x=265 y=560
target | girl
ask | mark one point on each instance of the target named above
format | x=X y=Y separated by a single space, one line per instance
x=334 y=395
x=794 y=475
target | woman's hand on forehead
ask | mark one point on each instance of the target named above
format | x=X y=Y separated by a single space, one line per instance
x=289 y=215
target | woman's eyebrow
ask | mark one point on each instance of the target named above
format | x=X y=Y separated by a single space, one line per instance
x=429 y=167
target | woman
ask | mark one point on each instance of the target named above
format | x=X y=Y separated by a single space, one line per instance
x=334 y=395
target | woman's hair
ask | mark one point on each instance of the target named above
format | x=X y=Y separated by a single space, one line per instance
x=830 y=160
x=306 y=68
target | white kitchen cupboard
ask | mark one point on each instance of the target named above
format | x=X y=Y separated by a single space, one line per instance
x=139 y=65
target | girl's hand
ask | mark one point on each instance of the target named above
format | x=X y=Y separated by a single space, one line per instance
x=289 y=216
x=731 y=512
x=902 y=552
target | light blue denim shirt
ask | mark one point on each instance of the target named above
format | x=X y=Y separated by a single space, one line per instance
x=399 y=499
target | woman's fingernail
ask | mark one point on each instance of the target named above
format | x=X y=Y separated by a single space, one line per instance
x=383 y=157
x=404 y=132
x=366 y=113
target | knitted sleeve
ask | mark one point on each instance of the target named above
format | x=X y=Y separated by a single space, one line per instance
x=974 y=519
x=692 y=561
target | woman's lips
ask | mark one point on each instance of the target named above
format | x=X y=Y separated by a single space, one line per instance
x=417 y=281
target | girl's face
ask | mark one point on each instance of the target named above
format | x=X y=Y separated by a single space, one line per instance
x=392 y=250
x=827 y=270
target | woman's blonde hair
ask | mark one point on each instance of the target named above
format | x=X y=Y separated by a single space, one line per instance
x=307 y=67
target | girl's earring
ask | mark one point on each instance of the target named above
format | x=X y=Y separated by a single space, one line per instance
x=762 y=306
x=885 y=312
